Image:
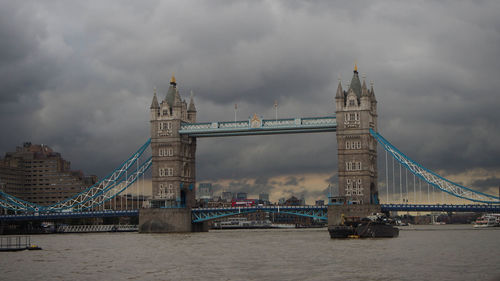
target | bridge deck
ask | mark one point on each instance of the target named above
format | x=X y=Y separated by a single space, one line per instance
x=201 y=214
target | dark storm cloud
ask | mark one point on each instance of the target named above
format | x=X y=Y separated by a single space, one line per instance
x=19 y=53
x=333 y=179
x=260 y=185
x=291 y=180
x=78 y=76
x=487 y=184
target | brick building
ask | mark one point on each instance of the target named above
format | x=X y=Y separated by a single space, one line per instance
x=35 y=173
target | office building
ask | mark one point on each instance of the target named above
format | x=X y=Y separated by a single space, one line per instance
x=36 y=173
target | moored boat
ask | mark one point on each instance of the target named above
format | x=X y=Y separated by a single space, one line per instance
x=376 y=226
x=488 y=220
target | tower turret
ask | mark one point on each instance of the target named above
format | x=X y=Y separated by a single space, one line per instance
x=365 y=97
x=172 y=89
x=191 y=109
x=372 y=92
x=373 y=104
x=355 y=83
x=177 y=105
x=154 y=103
x=155 y=107
x=339 y=97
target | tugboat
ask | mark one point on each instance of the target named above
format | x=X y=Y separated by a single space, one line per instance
x=375 y=226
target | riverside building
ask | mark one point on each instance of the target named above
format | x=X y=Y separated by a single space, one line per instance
x=36 y=173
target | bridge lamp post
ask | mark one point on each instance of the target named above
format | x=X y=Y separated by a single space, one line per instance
x=276 y=110
x=235 y=109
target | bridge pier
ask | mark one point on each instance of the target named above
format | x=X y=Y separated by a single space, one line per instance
x=335 y=212
x=168 y=220
x=199 y=226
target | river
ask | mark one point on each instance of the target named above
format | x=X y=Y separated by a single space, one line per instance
x=445 y=252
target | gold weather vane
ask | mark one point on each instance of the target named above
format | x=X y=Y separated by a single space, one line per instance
x=172 y=80
x=355 y=66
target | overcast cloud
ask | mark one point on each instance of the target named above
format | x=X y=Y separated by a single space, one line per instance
x=78 y=76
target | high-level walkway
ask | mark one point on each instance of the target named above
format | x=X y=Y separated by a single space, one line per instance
x=256 y=126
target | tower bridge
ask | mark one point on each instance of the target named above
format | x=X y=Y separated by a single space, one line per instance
x=174 y=134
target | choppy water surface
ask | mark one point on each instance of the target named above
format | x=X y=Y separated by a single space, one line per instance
x=425 y=253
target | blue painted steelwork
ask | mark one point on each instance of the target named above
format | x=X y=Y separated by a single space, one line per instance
x=206 y=214
x=320 y=212
x=99 y=189
x=13 y=203
x=103 y=195
x=260 y=127
x=70 y=215
x=200 y=216
x=434 y=179
x=441 y=208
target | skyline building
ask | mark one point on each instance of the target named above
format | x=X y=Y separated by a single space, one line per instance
x=205 y=191
x=227 y=196
x=36 y=173
x=264 y=197
x=241 y=196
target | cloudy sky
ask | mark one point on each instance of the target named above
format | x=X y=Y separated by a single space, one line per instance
x=79 y=77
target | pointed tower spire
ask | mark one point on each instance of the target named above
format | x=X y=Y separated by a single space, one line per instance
x=191 y=103
x=364 y=89
x=170 y=97
x=340 y=92
x=372 y=92
x=177 y=98
x=154 y=103
x=355 y=83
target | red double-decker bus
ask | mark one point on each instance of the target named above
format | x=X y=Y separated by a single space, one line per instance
x=243 y=203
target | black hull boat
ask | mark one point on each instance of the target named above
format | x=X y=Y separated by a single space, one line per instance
x=377 y=230
x=340 y=231
x=371 y=227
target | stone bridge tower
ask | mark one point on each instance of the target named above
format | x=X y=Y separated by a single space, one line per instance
x=356 y=111
x=173 y=169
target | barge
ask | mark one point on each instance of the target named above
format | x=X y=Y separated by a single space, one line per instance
x=376 y=226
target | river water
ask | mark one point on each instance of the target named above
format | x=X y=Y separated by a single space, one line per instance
x=420 y=253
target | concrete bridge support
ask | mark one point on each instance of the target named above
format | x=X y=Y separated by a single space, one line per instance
x=168 y=220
